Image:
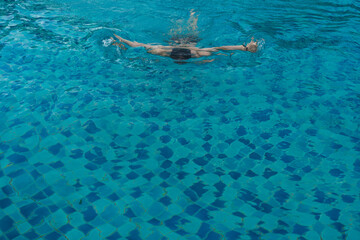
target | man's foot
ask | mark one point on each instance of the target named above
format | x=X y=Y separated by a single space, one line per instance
x=193 y=19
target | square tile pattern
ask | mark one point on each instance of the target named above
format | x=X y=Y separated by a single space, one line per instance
x=93 y=148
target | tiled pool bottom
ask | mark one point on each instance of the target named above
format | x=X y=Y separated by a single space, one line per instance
x=97 y=143
x=185 y=179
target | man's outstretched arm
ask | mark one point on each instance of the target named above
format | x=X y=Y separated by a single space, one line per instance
x=251 y=47
x=229 y=48
x=137 y=44
x=132 y=44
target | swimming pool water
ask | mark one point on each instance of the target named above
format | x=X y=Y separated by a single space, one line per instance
x=101 y=143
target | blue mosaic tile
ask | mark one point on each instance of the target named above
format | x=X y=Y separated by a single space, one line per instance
x=166 y=152
x=66 y=228
x=55 y=149
x=53 y=235
x=13 y=234
x=91 y=127
x=114 y=236
x=6 y=223
x=4 y=203
x=17 y=158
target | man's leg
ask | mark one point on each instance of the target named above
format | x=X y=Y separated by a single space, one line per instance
x=193 y=19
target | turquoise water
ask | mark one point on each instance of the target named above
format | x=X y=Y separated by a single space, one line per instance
x=102 y=143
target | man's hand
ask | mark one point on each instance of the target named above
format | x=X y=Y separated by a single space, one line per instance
x=252 y=46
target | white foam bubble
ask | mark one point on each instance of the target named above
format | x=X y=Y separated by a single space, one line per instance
x=261 y=44
x=107 y=42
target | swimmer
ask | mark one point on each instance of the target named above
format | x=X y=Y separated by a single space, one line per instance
x=185 y=45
